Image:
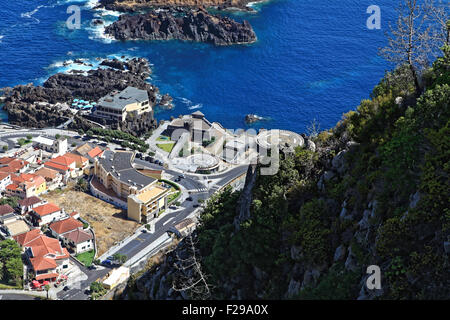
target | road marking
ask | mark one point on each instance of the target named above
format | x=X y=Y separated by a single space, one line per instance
x=167 y=221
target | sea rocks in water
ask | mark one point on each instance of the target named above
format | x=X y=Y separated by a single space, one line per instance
x=182 y=24
x=166 y=101
x=142 y=5
x=97 y=22
x=24 y=103
x=252 y=118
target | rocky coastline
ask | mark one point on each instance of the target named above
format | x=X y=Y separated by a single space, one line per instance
x=133 y=6
x=182 y=24
x=48 y=105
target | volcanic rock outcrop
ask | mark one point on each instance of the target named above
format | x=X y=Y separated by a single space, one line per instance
x=182 y=24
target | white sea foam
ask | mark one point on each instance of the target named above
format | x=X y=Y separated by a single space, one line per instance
x=185 y=101
x=197 y=106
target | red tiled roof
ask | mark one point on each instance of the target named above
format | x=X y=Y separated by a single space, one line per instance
x=46 y=209
x=24 y=238
x=4 y=175
x=5 y=209
x=63 y=160
x=65 y=225
x=12 y=187
x=47 y=173
x=65 y=256
x=44 y=245
x=57 y=166
x=6 y=160
x=95 y=152
x=78 y=236
x=43 y=263
x=47 y=276
x=76 y=157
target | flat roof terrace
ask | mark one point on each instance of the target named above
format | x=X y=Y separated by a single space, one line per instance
x=119 y=164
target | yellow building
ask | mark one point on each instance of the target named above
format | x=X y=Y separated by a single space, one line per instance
x=117 y=181
x=145 y=206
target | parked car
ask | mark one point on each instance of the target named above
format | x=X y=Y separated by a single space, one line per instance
x=107 y=262
x=92 y=267
x=196 y=205
x=177 y=180
x=144 y=230
x=189 y=199
x=173 y=207
x=66 y=288
x=87 y=292
x=182 y=176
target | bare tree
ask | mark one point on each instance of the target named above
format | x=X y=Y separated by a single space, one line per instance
x=438 y=13
x=313 y=128
x=190 y=277
x=410 y=42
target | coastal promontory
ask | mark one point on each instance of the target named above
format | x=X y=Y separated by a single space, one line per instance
x=139 y=5
x=182 y=24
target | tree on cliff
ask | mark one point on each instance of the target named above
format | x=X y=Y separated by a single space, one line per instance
x=414 y=40
x=190 y=277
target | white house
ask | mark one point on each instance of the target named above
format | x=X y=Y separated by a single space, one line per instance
x=5 y=180
x=80 y=240
x=47 y=213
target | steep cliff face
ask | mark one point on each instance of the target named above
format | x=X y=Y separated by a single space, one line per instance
x=138 y=5
x=371 y=191
x=188 y=25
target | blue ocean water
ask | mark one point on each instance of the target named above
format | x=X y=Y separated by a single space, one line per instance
x=314 y=59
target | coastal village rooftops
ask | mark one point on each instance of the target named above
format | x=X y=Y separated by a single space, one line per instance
x=65 y=225
x=43 y=245
x=47 y=173
x=46 y=209
x=78 y=236
x=17 y=227
x=63 y=160
x=57 y=166
x=6 y=209
x=120 y=100
x=151 y=194
x=95 y=152
x=77 y=158
x=43 y=263
x=29 y=201
x=27 y=237
x=4 y=175
x=10 y=165
x=119 y=165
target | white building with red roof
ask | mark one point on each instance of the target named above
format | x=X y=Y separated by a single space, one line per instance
x=61 y=227
x=79 y=240
x=47 y=213
x=5 y=180
x=48 y=259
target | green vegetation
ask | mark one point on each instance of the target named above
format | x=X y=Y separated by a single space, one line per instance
x=11 y=266
x=97 y=290
x=120 y=258
x=86 y=258
x=126 y=140
x=12 y=201
x=167 y=147
x=400 y=152
x=5 y=148
x=23 y=141
x=206 y=143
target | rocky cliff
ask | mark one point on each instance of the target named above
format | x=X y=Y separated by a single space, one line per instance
x=373 y=190
x=182 y=24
